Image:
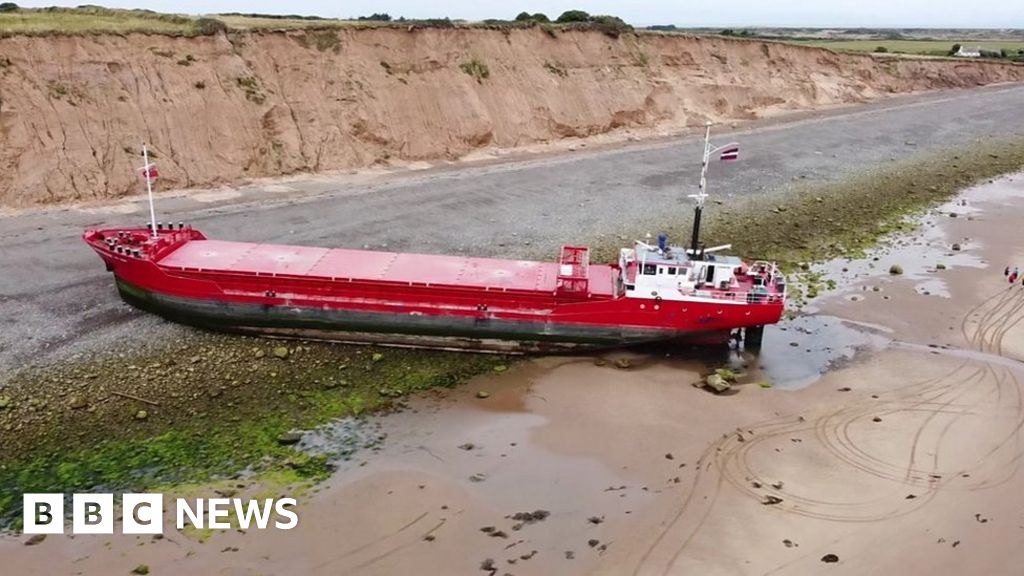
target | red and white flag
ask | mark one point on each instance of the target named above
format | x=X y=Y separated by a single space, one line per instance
x=730 y=153
x=150 y=173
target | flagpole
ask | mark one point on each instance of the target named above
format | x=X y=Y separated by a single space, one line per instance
x=149 y=189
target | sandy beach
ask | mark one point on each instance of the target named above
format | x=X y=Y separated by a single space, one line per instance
x=889 y=442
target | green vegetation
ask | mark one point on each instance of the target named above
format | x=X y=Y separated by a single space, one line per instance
x=539 y=17
x=375 y=17
x=98 y=20
x=476 y=69
x=555 y=69
x=251 y=86
x=740 y=34
x=573 y=16
x=214 y=406
x=321 y=40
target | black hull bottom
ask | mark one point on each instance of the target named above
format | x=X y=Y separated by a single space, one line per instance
x=404 y=330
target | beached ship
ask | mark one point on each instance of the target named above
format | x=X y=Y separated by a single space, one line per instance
x=652 y=293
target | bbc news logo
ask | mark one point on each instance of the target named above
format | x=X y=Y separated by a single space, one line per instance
x=144 y=513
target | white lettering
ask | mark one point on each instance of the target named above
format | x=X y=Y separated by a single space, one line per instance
x=281 y=507
x=254 y=510
x=143 y=514
x=195 y=518
x=42 y=513
x=219 y=508
x=92 y=513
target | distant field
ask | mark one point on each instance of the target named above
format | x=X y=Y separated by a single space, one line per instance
x=925 y=47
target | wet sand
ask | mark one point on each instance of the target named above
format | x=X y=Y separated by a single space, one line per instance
x=904 y=456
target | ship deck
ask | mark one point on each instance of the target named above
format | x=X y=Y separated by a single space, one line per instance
x=399 y=268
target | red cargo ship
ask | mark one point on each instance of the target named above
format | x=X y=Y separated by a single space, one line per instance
x=653 y=293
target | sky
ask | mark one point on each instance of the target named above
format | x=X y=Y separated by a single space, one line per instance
x=692 y=13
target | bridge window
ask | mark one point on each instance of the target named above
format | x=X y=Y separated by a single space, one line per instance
x=650 y=270
x=672 y=270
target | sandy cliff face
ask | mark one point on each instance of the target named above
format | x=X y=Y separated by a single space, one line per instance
x=220 y=109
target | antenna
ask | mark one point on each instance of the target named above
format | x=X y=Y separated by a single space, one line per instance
x=149 y=188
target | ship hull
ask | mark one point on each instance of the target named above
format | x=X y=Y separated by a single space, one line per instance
x=507 y=306
x=391 y=329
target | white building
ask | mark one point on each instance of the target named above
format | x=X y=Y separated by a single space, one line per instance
x=965 y=52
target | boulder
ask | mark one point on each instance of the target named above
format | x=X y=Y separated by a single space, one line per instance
x=717 y=383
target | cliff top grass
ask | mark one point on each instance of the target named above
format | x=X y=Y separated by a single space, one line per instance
x=91 y=20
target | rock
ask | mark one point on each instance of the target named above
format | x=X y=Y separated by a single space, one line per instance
x=429 y=537
x=600 y=362
x=830 y=558
x=770 y=500
x=844 y=389
x=488 y=566
x=483 y=394
x=956 y=247
x=289 y=438
x=280 y=352
x=377 y=357
x=726 y=374
x=940 y=266
x=531 y=517
x=593 y=542
x=259 y=354
x=669 y=456
x=467 y=446
x=569 y=555
x=141 y=415
x=595 y=519
x=77 y=403
x=478 y=477
x=141 y=569
x=895 y=269
x=717 y=383
x=876 y=419
x=623 y=363
x=5 y=402
x=38 y=538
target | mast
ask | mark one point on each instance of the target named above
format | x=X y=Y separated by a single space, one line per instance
x=729 y=151
x=700 y=196
x=149 y=188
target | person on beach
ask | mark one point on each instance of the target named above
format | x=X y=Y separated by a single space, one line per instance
x=1007 y=271
x=1013 y=278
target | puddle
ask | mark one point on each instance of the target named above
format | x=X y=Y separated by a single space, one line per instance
x=795 y=353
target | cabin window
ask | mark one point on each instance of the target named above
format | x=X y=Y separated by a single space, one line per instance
x=650 y=269
x=710 y=276
x=671 y=270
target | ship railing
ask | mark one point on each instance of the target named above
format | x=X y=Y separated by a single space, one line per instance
x=746 y=297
